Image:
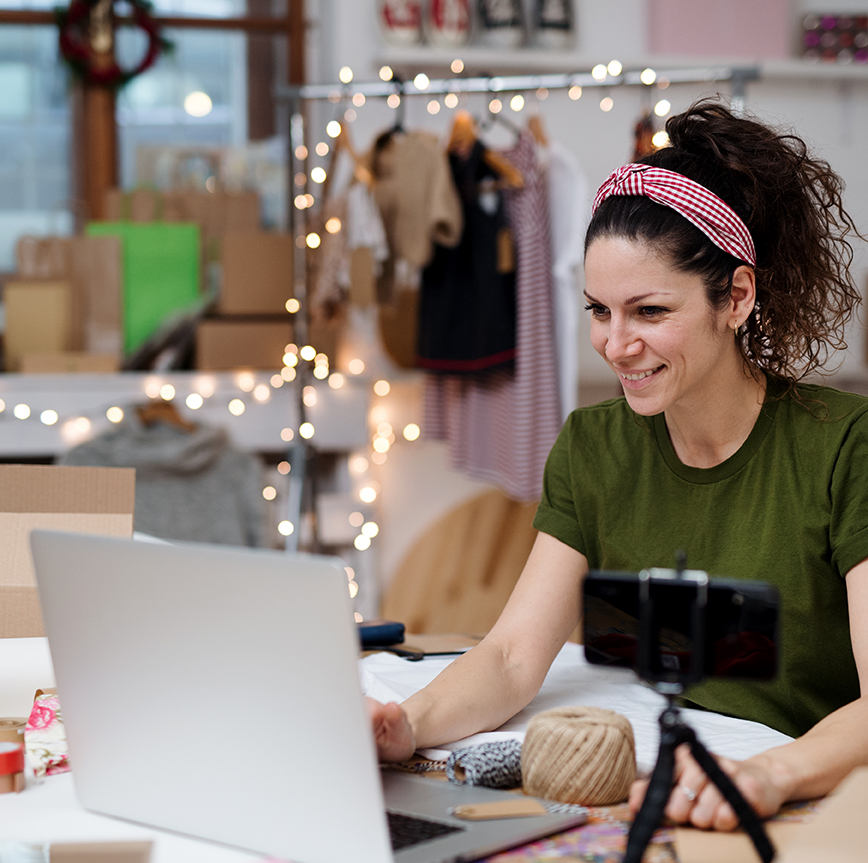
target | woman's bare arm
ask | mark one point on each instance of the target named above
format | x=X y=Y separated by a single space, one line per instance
x=486 y=686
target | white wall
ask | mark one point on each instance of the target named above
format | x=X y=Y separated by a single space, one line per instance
x=831 y=114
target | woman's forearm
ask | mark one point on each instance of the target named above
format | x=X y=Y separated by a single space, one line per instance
x=494 y=680
x=815 y=763
x=479 y=691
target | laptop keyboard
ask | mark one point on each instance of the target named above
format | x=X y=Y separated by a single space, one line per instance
x=407 y=830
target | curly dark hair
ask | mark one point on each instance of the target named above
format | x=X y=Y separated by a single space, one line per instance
x=792 y=204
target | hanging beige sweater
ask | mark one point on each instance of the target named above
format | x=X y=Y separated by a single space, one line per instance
x=417 y=197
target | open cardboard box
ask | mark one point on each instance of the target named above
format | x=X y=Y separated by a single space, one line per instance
x=79 y=499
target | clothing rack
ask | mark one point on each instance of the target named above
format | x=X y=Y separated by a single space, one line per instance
x=739 y=76
x=296 y=96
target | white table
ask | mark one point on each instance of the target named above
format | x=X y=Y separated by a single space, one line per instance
x=47 y=810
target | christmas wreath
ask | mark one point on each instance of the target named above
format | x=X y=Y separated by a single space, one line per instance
x=79 y=51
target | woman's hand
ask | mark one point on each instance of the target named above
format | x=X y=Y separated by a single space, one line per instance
x=696 y=800
x=392 y=731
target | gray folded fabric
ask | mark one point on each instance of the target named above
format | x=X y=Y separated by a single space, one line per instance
x=494 y=765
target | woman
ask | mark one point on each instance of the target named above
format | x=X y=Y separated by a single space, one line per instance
x=716 y=277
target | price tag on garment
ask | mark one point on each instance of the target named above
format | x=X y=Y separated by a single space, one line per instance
x=521 y=807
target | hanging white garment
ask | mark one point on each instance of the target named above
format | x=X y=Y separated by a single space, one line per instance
x=364 y=225
x=570 y=212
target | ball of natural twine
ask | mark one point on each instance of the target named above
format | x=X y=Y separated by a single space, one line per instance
x=581 y=755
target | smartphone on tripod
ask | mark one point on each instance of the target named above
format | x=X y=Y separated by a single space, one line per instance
x=680 y=626
x=675 y=627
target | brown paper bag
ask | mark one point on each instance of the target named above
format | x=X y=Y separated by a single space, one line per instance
x=97 y=274
x=399 y=327
x=363 y=283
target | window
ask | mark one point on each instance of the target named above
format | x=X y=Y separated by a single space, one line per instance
x=35 y=188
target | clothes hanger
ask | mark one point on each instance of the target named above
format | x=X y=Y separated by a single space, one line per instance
x=463 y=134
x=344 y=142
x=159 y=410
x=643 y=134
x=537 y=129
x=385 y=138
x=398 y=126
x=462 y=137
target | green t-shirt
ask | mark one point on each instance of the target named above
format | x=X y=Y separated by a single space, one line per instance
x=790 y=507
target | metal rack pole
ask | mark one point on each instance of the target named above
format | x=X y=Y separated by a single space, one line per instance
x=297 y=452
x=738 y=75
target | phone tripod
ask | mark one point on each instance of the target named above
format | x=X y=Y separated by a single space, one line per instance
x=674 y=731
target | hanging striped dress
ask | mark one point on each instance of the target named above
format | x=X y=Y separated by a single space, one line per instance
x=501 y=424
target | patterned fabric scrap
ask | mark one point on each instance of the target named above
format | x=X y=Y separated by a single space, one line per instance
x=45 y=737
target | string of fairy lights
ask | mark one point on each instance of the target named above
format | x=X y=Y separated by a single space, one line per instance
x=505 y=94
x=199 y=390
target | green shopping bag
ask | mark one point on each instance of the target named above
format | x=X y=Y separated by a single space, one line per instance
x=160 y=273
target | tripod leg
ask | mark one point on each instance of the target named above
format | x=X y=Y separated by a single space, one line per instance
x=650 y=814
x=749 y=820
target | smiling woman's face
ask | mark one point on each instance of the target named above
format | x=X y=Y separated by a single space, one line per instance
x=655 y=328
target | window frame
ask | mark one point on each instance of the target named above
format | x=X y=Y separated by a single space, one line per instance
x=94 y=124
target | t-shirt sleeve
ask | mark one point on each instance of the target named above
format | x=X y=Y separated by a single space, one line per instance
x=849 y=492
x=556 y=514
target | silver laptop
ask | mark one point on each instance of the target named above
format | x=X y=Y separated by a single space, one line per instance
x=214 y=692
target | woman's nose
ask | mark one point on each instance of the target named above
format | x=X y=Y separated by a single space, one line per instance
x=622 y=342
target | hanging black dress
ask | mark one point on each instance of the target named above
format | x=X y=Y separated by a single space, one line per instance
x=467 y=302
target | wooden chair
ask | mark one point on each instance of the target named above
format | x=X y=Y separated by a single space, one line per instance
x=459 y=575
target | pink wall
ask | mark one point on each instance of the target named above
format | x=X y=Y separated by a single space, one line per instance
x=757 y=29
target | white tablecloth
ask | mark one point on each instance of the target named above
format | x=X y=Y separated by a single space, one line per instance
x=572 y=680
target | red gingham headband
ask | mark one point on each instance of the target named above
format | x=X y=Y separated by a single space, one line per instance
x=713 y=216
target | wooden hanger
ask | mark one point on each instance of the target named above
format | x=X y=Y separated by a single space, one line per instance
x=361 y=172
x=463 y=134
x=537 y=129
x=159 y=410
x=461 y=141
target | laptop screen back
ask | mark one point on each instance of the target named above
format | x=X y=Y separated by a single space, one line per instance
x=214 y=692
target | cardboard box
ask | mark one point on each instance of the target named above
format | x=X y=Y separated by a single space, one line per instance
x=257 y=276
x=837 y=833
x=80 y=499
x=225 y=344
x=38 y=319
x=70 y=361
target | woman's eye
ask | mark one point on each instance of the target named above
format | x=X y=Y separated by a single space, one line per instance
x=596 y=310
x=651 y=311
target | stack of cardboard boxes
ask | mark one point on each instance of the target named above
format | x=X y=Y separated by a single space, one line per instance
x=249 y=326
x=83 y=303
x=252 y=326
